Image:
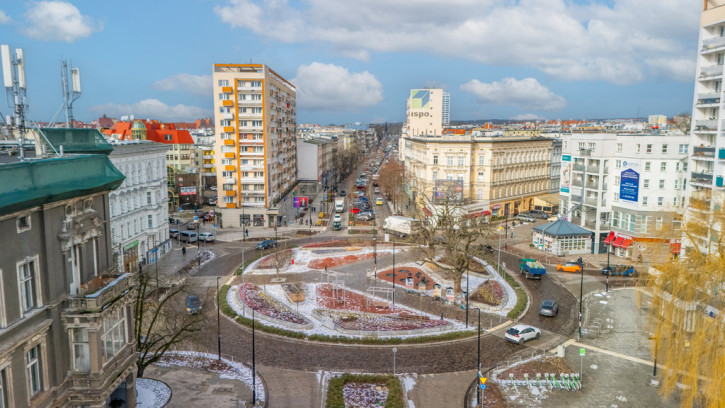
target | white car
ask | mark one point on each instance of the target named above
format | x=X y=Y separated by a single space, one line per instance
x=522 y=333
x=206 y=237
x=337 y=218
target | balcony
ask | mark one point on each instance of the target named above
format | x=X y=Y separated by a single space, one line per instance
x=207 y=156
x=702 y=178
x=86 y=385
x=251 y=141
x=592 y=185
x=712 y=43
x=577 y=183
x=208 y=165
x=704 y=151
x=585 y=152
x=230 y=181
x=706 y=125
x=578 y=167
x=250 y=153
x=229 y=155
x=248 y=102
x=593 y=169
x=249 y=115
x=700 y=204
x=250 y=128
x=228 y=129
x=95 y=301
x=592 y=201
x=708 y=98
x=228 y=116
x=711 y=71
x=249 y=88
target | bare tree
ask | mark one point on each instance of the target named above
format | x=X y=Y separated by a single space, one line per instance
x=683 y=122
x=160 y=319
x=447 y=235
x=687 y=309
x=391 y=177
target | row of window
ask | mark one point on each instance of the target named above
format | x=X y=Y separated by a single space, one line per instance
x=660 y=201
x=663 y=165
x=141 y=173
x=130 y=202
x=178 y=157
x=649 y=148
x=646 y=183
x=131 y=228
x=640 y=223
x=29 y=291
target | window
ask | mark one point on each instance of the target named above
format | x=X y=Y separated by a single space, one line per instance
x=150 y=221
x=435 y=159
x=644 y=200
x=658 y=223
x=461 y=161
x=148 y=197
x=435 y=174
x=4 y=388
x=114 y=334
x=660 y=201
x=480 y=176
x=27 y=282
x=684 y=168
x=616 y=180
x=459 y=177
x=664 y=148
x=480 y=194
x=674 y=201
x=683 y=149
x=662 y=184
x=616 y=196
x=223 y=82
x=647 y=166
x=225 y=97
x=615 y=219
x=677 y=184
x=480 y=160
x=663 y=166
x=638 y=148
x=32 y=361
x=449 y=160
x=619 y=147
x=23 y=223
x=649 y=149
x=646 y=183
x=618 y=164
x=168 y=138
x=677 y=166
x=81 y=352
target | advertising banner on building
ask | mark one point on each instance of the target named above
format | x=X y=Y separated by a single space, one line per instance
x=185 y=191
x=565 y=173
x=300 y=202
x=629 y=181
x=448 y=191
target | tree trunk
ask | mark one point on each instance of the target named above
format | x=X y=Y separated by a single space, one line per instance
x=139 y=370
x=457 y=284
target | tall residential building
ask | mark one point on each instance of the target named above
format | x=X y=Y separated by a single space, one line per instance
x=428 y=111
x=66 y=312
x=255 y=147
x=631 y=184
x=707 y=144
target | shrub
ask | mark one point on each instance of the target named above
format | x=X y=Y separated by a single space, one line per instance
x=335 y=398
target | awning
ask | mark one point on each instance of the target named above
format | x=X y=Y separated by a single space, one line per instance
x=427 y=211
x=618 y=242
x=486 y=212
x=626 y=244
x=609 y=239
x=675 y=248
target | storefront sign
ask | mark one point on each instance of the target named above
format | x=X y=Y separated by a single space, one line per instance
x=188 y=191
x=629 y=182
x=131 y=245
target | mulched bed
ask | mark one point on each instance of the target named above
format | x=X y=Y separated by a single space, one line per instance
x=269 y=262
x=364 y=395
x=364 y=391
x=492 y=396
x=489 y=292
x=361 y=223
x=189 y=267
x=337 y=261
x=327 y=244
x=255 y=298
x=473 y=265
x=554 y=365
x=402 y=273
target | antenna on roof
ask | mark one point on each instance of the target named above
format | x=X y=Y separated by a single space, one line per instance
x=71 y=91
x=14 y=83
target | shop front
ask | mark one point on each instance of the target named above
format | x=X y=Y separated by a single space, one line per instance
x=130 y=257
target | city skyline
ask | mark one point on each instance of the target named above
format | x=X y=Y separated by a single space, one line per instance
x=575 y=59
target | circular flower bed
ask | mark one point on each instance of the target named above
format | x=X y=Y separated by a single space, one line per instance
x=401 y=274
x=490 y=293
x=376 y=322
x=327 y=244
x=337 y=261
x=253 y=298
x=270 y=261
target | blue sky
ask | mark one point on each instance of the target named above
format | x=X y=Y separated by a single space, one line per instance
x=357 y=61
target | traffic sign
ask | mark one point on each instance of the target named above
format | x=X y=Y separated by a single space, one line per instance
x=196 y=219
x=582 y=351
x=483 y=386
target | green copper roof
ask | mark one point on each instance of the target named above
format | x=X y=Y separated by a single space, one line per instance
x=77 y=140
x=35 y=182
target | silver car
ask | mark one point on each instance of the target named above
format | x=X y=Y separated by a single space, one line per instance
x=522 y=333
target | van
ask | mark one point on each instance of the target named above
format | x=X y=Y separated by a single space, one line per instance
x=525 y=218
x=538 y=214
x=187 y=236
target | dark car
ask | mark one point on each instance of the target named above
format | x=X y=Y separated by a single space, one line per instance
x=549 y=308
x=342 y=193
x=266 y=244
x=625 y=270
x=193 y=304
x=173 y=233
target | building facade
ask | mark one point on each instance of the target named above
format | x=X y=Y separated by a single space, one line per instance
x=255 y=147
x=502 y=175
x=707 y=147
x=632 y=184
x=429 y=110
x=66 y=312
x=139 y=208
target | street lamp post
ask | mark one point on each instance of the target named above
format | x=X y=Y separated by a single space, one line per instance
x=468 y=290
x=478 y=370
x=254 y=367
x=499 y=248
x=395 y=350
x=375 y=252
x=581 y=294
x=218 y=324
x=198 y=248
x=393 y=274
x=276 y=250
x=609 y=247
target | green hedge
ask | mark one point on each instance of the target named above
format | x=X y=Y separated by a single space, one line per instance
x=521 y=298
x=247 y=321
x=334 y=389
x=248 y=261
x=362 y=231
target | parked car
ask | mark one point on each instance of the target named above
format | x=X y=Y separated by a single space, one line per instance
x=525 y=218
x=364 y=216
x=193 y=304
x=355 y=210
x=190 y=226
x=625 y=270
x=522 y=333
x=337 y=218
x=342 y=193
x=360 y=193
x=570 y=266
x=206 y=237
x=266 y=244
x=549 y=307
x=489 y=249
x=538 y=214
x=553 y=218
x=212 y=188
x=187 y=236
x=173 y=233
x=379 y=201
x=377 y=190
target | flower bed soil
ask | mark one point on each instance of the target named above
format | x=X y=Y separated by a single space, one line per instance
x=269 y=261
x=364 y=394
x=554 y=365
x=473 y=265
x=337 y=261
x=489 y=292
x=204 y=256
x=402 y=273
x=327 y=244
x=252 y=297
x=492 y=396
x=384 y=323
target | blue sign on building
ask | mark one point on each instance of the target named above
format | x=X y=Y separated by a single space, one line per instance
x=629 y=186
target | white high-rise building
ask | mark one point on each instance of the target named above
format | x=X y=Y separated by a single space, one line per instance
x=428 y=111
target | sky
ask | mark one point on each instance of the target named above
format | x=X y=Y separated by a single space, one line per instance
x=358 y=60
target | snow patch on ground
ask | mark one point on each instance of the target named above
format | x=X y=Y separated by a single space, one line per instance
x=593 y=366
x=408 y=385
x=303 y=256
x=151 y=393
x=621 y=398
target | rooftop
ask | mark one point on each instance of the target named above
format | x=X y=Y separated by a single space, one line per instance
x=76 y=140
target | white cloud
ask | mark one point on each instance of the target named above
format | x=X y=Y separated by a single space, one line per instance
x=4 y=18
x=58 y=20
x=526 y=93
x=333 y=88
x=196 y=84
x=528 y=116
x=152 y=109
x=608 y=40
